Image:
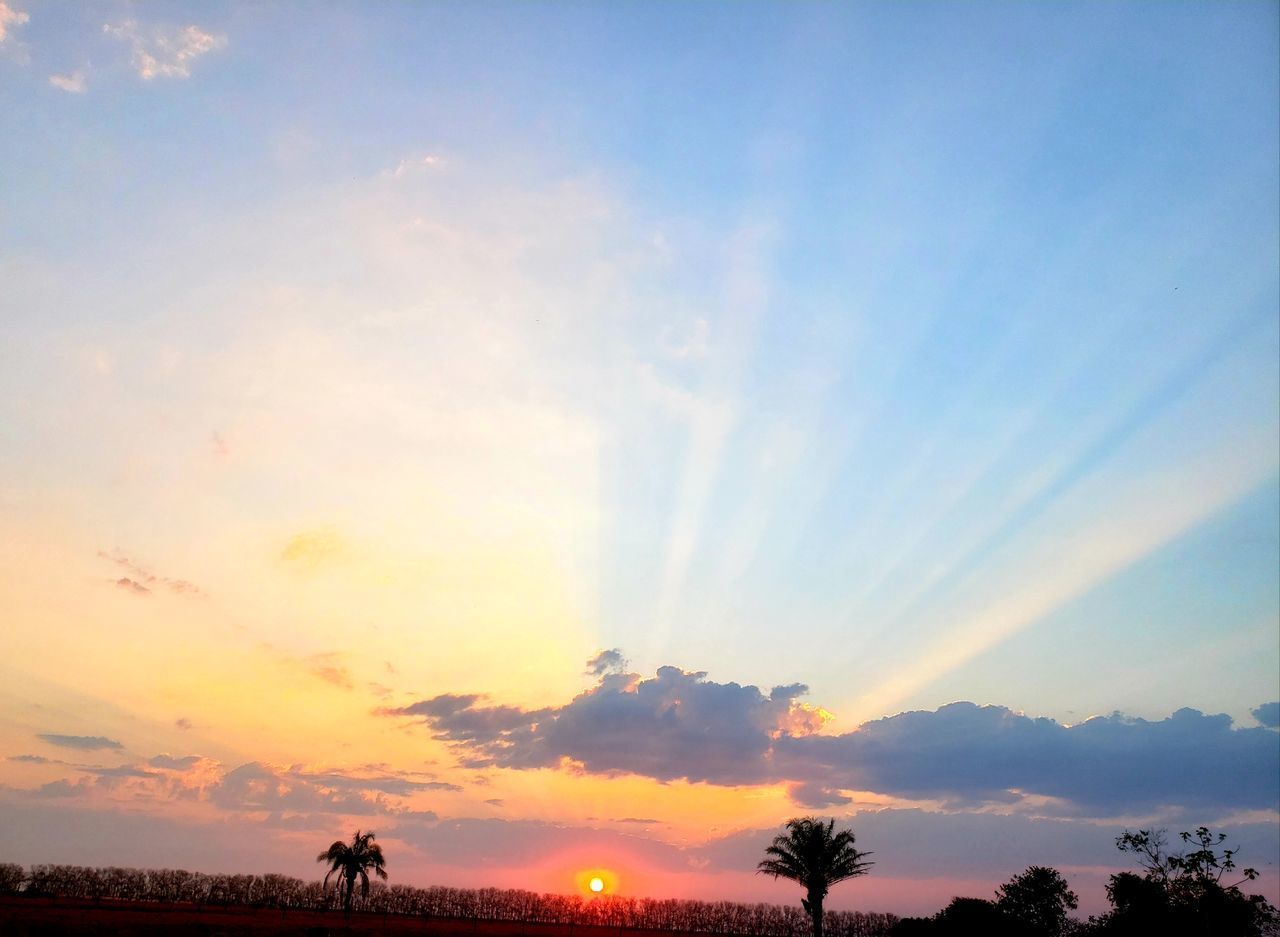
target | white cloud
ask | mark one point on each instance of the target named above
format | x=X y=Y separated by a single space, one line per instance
x=161 y=52
x=418 y=164
x=9 y=18
x=75 y=83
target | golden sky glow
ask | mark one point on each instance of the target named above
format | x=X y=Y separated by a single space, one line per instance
x=571 y=451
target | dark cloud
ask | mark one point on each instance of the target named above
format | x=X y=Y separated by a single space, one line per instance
x=59 y=788
x=1268 y=714
x=303 y=822
x=679 y=725
x=398 y=783
x=34 y=759
x=1107 y=765
x=675 y=725
x=119 y=772
x=815 y=795
x=639 y=821
x=255 y=787
x=81 y=742
x=169 y=763
x=496 y=802
x=131 y=585
x=184 y=724
x=610 y=661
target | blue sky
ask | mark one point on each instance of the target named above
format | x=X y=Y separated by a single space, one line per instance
x=916 y=353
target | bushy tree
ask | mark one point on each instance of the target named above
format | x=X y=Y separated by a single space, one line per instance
x=1183 y=894
x=1039 y=899
x=12 y=876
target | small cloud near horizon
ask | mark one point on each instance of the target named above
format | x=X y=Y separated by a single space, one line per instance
x=85 y=743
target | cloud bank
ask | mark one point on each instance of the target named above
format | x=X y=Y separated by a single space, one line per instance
x=680 y=725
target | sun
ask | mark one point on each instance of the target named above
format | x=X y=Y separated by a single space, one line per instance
x=598 y=881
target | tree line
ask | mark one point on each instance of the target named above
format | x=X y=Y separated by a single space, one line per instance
x=285 y=893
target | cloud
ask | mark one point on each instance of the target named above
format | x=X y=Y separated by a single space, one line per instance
x=256 y=787
x=311 y=549
x=679 y=725
x=34 y=759
x=164 y=52
x=132 y=585
x=610 y=661
x=81 y=742
x=75 y=83
x=184 y=724
x=1107 y=764
x=9 y=19
x=689 y=341
x=142 y=580
x=170 y=763
x=675 y=725
x=425 y=163
x=396 y=783
x=325 y=667
x=1268 y=714
x=815 y=795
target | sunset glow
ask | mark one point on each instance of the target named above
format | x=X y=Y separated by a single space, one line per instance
x=597 y=882
x=571 y=440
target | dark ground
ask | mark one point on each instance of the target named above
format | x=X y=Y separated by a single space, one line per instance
x=51 y=917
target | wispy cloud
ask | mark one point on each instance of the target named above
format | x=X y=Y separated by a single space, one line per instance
x=310 y=549
x=80 y=742
x=164 y=52
x=10 y=18
x=425 y=163
x=142 y=581
x=74 y=83
x=132 y=585
x=327 y=668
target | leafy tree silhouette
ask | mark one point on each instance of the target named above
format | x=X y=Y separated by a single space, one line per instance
x=352 y=862
x=1039 y=898
x=816 y=856
x=1183 y=893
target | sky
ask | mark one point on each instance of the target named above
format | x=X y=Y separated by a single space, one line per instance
x=563 y=435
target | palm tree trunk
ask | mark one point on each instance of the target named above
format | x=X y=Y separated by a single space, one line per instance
x=814 y=907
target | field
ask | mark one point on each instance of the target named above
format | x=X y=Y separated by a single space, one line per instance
x=48 y=917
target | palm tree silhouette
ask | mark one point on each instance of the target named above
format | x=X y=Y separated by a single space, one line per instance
x=352 y=862
x=815 y=855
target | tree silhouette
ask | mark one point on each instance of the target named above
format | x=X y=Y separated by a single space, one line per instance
x=813 y=854
x=1184 y=892
x=352 y=862
x=1039 y=898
